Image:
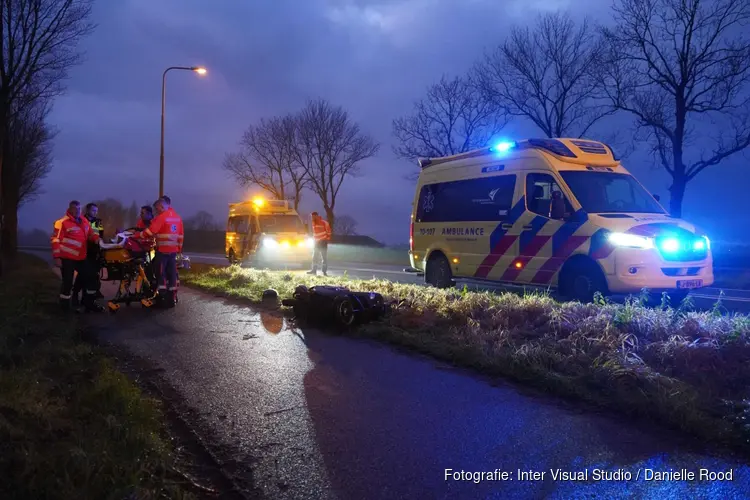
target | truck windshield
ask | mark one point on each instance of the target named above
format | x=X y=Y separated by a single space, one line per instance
x=605 y=192
x=281 y=224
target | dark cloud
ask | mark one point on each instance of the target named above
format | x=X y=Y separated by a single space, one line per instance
x=266 y=58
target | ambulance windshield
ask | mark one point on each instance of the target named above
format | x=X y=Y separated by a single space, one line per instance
x=604 y=192
x=281 y=224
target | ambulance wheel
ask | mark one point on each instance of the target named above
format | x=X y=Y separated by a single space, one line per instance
x=581 y=280
x=438 y=272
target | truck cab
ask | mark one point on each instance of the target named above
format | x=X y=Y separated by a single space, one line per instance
x=263 y=232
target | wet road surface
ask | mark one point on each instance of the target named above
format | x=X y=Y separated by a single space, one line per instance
x=312 y=415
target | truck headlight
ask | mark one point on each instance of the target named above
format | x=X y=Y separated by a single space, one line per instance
x=630 y=240
x=270 y=242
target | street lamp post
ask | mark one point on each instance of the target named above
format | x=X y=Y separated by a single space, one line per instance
x=200 y=71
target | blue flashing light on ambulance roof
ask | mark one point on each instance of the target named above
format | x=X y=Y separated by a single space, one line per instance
x=503 y=146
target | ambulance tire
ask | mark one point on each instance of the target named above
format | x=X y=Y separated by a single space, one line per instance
x=438 y=272
x=581 y=280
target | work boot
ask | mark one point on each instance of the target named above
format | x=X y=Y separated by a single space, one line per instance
x=313 y=272
x=90 y=305
x=169 y=300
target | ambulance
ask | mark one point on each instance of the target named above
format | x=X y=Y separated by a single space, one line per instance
x=263 y=232
x=563 y=214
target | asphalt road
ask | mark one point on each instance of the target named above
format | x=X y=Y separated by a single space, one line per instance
x=310 y=415
x=705 y=298
x=305 y=414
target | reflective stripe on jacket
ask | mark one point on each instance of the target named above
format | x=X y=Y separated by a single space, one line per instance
x=168 y=231
x=321 y=230
x=70 y=237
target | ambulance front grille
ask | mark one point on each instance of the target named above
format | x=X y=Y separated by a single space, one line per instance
x=681 y=271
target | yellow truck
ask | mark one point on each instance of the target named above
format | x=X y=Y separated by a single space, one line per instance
x=263 y=232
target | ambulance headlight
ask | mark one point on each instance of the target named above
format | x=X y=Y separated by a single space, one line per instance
x=310 y=242
x=269 y=242
x=630 y=240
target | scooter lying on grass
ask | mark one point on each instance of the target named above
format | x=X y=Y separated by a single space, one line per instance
x=335 y=306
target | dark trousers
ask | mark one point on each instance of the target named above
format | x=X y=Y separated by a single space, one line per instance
x=67 y=271
x=167 y=272
x=320 y=252
x=92 y=270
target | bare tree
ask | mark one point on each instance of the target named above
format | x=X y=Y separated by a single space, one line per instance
x=202 y=221
x=114 y=215
x=547 y=75
x=673 y=62
x=27 y=153
x=345 y=226
x=267 y=159
x=330 y=147
x=453 y=118
x=38 y=45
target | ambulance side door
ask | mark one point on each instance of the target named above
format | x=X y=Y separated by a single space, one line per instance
x=494 y=205
x=543 y=239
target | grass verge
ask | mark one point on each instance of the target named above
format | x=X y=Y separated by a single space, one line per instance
x=71 y=425
x=686 y=369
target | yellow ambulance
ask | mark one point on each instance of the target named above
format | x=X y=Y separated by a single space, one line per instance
x=558 y=213
x=263 y=232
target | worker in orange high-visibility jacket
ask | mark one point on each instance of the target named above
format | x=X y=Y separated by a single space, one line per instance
x=322 y=235
x=70 y=239
x=143 y=246
x=167 y=229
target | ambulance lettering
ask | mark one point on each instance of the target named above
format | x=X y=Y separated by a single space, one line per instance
x=463 y=231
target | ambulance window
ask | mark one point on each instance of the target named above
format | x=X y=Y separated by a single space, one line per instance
x=482 y=199
x=238 y=224
x=539 y=190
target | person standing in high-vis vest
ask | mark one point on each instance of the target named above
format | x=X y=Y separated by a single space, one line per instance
x=167 y=229
x=70 y=239
x=322 y=235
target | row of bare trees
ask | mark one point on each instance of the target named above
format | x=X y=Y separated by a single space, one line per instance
x=315 y=149
x=38 y=45
x=678 y=68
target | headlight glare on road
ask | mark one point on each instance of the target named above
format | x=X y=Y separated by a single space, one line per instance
x=630 y=240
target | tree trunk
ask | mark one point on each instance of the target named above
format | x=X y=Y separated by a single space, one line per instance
x=677 y=194
x=330 y=216
x=9 y=243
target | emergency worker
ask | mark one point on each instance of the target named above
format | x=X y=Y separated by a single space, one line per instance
x=322 y=235
x=168 y=231
x=70 y=240
x=146 y=244
x=92 y=255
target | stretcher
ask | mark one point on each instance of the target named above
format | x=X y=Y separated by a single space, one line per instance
x=126 y=261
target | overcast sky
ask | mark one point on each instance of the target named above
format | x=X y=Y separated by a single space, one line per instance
x=267 y=57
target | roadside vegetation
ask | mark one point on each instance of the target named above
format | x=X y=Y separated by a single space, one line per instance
x=71 y=425
x=686 y=369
